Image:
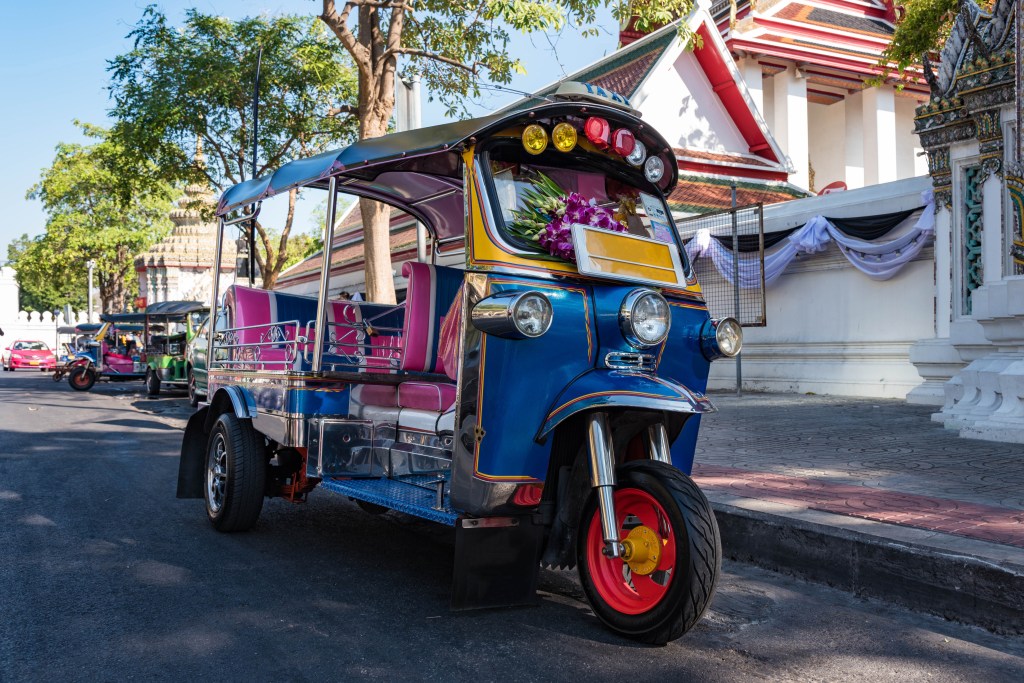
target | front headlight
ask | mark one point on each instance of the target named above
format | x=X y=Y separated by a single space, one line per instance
x=721 y=338
x=644 y=318
x=513 y=315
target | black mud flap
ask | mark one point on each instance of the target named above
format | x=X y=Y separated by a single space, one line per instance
x=191 y=467
x=496 y=562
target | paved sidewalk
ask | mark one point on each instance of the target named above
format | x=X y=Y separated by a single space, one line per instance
x=838 y=475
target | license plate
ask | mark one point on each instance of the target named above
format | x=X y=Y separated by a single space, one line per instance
x=138 y=367
x=33 y=362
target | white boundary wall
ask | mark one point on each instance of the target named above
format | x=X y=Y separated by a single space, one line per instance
x=28 y=324
x=831 y=329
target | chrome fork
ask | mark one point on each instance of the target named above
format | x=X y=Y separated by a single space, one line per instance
x=602 y=478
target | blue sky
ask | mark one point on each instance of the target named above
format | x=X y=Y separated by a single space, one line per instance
x=53 y=62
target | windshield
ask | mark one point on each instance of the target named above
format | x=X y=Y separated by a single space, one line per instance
x=30 y=346
x=538 y=196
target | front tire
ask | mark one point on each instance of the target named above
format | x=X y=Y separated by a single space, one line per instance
x=665 y=587
x=81 y=378
x=235 y=475
x=152 y=383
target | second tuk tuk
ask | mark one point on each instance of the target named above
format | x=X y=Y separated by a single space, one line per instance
x=170 y=326
x=111 y=353
x=541 y=395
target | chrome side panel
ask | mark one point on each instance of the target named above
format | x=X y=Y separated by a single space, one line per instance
x=286 y=430
x=468 y=493
x=342 y=448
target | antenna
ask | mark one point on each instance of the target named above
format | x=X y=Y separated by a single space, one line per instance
x=255 y=148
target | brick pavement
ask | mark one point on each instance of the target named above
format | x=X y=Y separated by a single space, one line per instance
x=874 y=459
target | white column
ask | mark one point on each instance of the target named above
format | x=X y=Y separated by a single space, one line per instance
x=992 y=229
x=791 y=122
x=854 y=105
x=750 y=70
x=943 y=271
x=879 y=107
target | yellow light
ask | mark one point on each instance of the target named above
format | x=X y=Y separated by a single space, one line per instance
x=535 y=139
x=564 y=137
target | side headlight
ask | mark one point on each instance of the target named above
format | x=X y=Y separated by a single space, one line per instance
x=513 y=315
x=721 y=338
x=644 y=318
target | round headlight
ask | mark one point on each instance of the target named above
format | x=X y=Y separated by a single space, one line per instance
x=531 y=314
x=654 y=168
x=639 y=153
x=564 y=137
x=535 y=139
x=729 y=335
x=721 y=338
x=644 y=318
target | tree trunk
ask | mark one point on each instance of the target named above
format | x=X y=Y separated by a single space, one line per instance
x=377 y=269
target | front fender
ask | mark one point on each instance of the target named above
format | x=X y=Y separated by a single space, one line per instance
x=621 y=388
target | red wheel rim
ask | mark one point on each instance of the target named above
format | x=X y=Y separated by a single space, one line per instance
x=80 y=379
x=618 y=586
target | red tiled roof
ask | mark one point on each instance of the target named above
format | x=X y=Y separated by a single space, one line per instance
x=695 y=194
x=723 y=157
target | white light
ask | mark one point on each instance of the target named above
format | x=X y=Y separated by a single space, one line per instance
x=654 y=169
x=644 y=318
x=532 y=314
x=637 y=156
x=729 y=335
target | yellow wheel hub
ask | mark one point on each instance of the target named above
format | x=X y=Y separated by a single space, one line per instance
x=641 y=550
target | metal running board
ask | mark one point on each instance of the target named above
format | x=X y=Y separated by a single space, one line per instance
x=415 y=496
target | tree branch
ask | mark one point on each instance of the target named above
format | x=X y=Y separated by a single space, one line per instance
x=435 y=57
x=338 y=23
x=343 y=109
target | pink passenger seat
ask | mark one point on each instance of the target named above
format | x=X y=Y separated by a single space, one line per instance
x=429 y=296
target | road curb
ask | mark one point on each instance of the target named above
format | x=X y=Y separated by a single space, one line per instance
x=960 y=587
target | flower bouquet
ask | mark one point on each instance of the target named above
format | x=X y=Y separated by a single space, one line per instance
x=544 y=223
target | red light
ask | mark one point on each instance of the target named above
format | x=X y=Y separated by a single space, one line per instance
x=623 y=142
x=598 y=132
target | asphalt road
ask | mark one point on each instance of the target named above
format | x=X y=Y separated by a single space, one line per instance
x=105 y=575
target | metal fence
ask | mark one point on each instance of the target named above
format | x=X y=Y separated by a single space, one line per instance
x=740 y=234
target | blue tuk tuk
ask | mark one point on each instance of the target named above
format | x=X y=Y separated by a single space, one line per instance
x=542 y=397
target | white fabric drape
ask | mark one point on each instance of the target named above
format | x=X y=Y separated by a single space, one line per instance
x=877 y=260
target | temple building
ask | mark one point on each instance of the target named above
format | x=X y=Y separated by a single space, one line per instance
x=180 y=268
x=811 y=68
x=971 y=130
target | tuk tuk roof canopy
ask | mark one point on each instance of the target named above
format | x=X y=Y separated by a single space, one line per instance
x=120 y=319
x=420 y=171
x=175 y=308
x=81 y=328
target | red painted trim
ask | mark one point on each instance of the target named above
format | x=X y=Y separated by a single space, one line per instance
x=846 y=37
x=864 y=66
x=865 y=9
x=713 y=64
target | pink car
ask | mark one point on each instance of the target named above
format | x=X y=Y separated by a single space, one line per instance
x=27 y=353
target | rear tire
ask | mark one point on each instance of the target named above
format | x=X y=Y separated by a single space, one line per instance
x=193 y=394
x=152 y=383
x=82 y=378
x=665 y=602
x=236 y=473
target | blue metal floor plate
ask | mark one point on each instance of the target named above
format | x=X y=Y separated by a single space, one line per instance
x=397 y=495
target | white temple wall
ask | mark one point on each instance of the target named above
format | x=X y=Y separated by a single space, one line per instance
x=827 y=142
x=680 y=98
x=28 y=324
x=910 y=160
x=831 y=329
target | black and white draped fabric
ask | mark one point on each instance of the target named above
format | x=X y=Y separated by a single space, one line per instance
x=877 y=260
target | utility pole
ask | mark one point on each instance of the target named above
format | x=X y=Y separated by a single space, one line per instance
x=408 y=114
x=91 y=264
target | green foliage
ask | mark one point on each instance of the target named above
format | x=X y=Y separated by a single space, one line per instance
x=457 y=46
x=178 y=84
x=100 y=206
x=45 y=283
x=195 y=82
x=924 y=28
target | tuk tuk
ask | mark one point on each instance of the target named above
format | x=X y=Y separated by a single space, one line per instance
x=111 y=353
x=74 y=338
x=542 y=397
x=170 y=326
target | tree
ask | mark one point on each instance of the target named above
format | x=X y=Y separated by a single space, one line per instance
x=99 y=207
x=196 y=81
x=44 y=284
x=451 y=45
x=924 y=27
